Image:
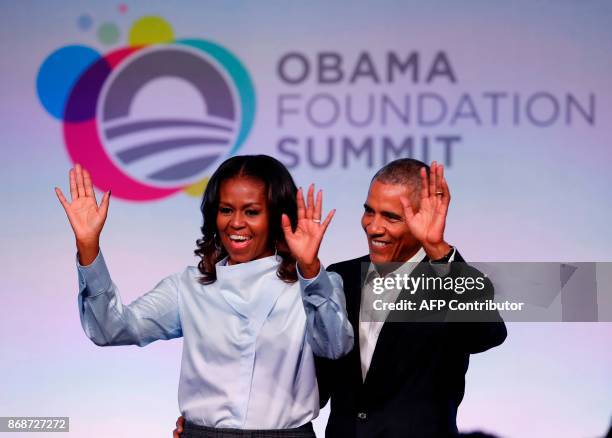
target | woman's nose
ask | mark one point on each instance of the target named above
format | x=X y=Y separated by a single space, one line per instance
x=237 y=220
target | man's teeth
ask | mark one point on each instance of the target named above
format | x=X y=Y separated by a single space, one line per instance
x=378 y=243
x=238 y=237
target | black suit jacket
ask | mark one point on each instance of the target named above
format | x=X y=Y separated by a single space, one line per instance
x=416 y=378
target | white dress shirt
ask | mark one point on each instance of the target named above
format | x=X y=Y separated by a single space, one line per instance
x=370 y=326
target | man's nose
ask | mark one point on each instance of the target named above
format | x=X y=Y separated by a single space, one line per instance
x=375 y=226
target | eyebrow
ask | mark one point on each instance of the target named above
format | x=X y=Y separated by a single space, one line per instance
x=391 y=215
x=387 y=214
x=250 y=204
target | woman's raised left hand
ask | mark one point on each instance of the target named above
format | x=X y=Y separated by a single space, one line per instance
x=305 y=241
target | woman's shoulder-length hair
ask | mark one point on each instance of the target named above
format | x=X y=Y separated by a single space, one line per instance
x=281 y=198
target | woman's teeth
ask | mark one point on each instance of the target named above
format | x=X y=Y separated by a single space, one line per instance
x=238 y=238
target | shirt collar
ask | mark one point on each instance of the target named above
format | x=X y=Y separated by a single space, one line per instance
x=404 y=268
x=254 y=267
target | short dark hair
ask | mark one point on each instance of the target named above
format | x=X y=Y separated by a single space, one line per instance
x=281 y=198
x=404 y=171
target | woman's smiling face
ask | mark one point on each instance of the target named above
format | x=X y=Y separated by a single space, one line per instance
x=242 y=219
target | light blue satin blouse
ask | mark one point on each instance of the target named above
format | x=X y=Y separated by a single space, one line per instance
x=249 y=337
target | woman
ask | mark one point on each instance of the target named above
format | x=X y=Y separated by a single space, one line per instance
x=250 y=319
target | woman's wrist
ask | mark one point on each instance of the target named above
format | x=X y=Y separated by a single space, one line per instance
x=87 y=251
x=309 y=270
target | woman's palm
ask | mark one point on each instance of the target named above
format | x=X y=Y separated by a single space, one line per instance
x=85 y=216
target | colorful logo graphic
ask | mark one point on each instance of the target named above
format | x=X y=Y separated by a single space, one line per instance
x=152 y=118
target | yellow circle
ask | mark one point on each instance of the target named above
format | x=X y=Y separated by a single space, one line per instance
x=150 y=30
x=196 y=190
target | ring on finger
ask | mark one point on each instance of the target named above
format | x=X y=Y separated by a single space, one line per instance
x=439 y=193
x=316 y=221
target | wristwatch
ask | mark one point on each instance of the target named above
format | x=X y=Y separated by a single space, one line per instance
x=446 y=258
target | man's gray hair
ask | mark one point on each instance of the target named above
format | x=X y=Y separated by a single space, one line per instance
x=405 y=171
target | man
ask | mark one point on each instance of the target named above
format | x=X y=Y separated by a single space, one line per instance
x=403 y=379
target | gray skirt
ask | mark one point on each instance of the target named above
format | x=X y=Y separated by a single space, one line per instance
x=191 y=430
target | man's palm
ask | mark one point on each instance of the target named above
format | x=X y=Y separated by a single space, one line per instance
x=428 y=223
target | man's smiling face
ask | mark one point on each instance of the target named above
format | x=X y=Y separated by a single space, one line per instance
x=389 y=238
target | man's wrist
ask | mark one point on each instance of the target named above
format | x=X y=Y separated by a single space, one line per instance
x=438 y=251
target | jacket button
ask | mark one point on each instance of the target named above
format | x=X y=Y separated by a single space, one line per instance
x=362 y=415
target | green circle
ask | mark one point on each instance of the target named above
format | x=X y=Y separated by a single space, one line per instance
x=108 y=33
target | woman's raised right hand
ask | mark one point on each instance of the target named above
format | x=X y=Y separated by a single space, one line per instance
x=85 y=215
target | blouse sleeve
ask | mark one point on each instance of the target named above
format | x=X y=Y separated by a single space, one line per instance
x=107 y=321
x=329 y=331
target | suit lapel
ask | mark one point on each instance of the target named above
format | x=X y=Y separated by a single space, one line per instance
x=352 y=303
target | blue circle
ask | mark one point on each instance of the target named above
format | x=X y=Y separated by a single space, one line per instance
x=59 y=73
x=85 y=22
